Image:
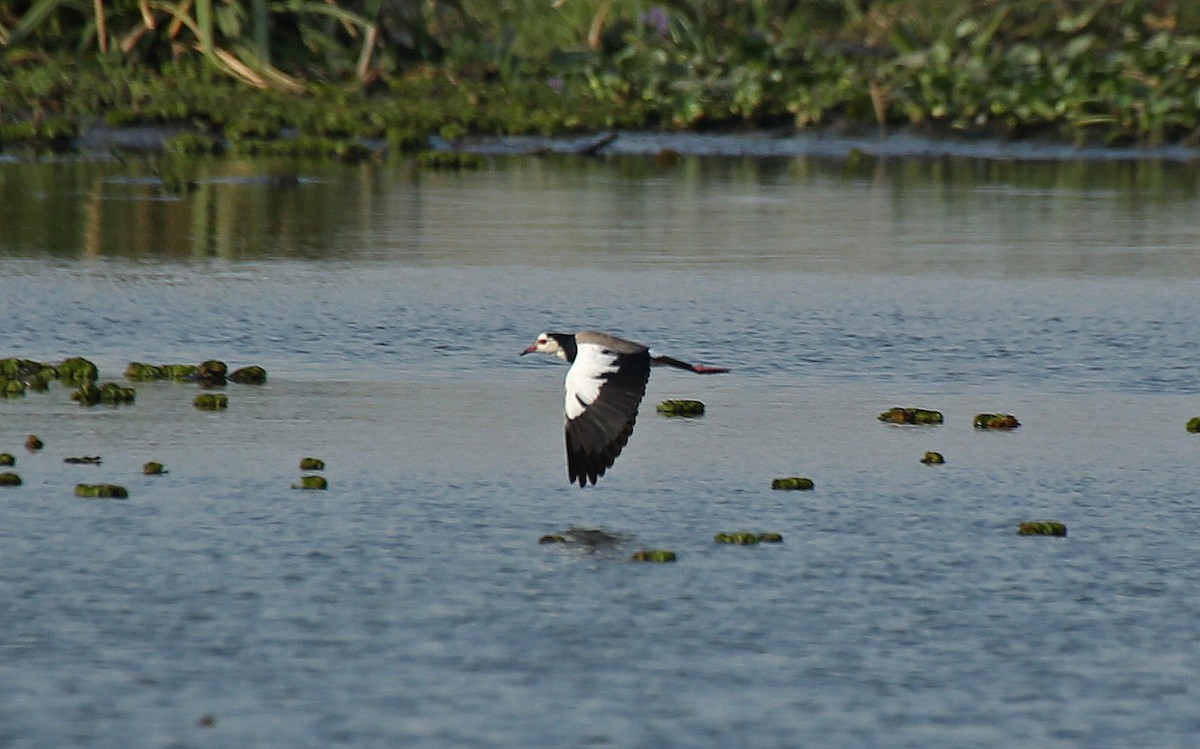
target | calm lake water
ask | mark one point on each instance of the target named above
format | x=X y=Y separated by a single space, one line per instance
x=411 y=604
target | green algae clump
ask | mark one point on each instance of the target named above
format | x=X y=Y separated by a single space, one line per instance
x=7 y=459
x=89 y=394
x=311 y=482
x=312 y=464
x=153 y=468
x=1042 y=528
x=653 y=555
x=11 y=388
x=101 y=491
x=996 y=421
x=793 y=483
x=77 y=370
x=932 y=458
x=1193 y=424
x=737 y=537
x=681 y=407
x=139 y=372
x=179 y=371
x=9 y=479
x=252 y=375
x=211 y=373
x=898 y=415
x=211 y=401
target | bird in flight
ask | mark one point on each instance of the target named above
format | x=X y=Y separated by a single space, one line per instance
x=605 y=385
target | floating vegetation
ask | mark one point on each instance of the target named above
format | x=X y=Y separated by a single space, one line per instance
x=101 y=491
x=86 y=460
x=9 y=479
x=996 y=421
x=450 y=160
x=552 y=538
x=1042 y=528
x=89 y=394
x=312 y=464
x=744 y=538
x=11 y=388
x=179 y=371
x=211 y=373
x=933 y=458
x=252 y=375
x=898 y=415
x=211 y=401
x=793 y=483
x=77 y=370
x=32 y=443
x=311 y=482
x=139 y=372
x=653 y=555
x=737 y=537
x=7 y=459
x=153 y=468
x=1193 y=424
x=681 y=408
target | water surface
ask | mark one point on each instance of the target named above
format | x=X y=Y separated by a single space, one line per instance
x=411 y=605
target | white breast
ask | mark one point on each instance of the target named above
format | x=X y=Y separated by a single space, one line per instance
x=586 y=376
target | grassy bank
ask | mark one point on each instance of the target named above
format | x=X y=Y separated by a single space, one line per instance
x=1107 y=71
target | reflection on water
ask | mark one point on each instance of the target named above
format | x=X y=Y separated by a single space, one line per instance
x=957 y=216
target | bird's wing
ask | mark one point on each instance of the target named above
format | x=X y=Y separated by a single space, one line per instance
x=604 y=388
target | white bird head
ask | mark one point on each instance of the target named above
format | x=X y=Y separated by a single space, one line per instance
x=549 y=343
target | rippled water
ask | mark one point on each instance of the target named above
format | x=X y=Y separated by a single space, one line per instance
x=411 y=605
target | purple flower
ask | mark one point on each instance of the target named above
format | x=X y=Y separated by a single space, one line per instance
x=657 y=20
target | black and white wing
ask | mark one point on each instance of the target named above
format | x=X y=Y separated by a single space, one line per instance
x=605 y=386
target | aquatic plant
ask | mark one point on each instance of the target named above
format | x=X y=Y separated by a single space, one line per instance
x=153 y=468
x=1042 y=528
x=105 y=491
x=653 y=555
x=793 y=483
x=252 y=375
x=77 y=370
x=211 y=373
x=1193 y=424
x=7 y=459
x=11 y=388
x=932 y=458
x=211 y=401
x=312 y=464
x=10 y=479
x=996 y=421
x=899 y=415
x=745 y=538
x=90 y=394
x=311 y=482
x=179 y=371
x=685 y=408
x=139 y=372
